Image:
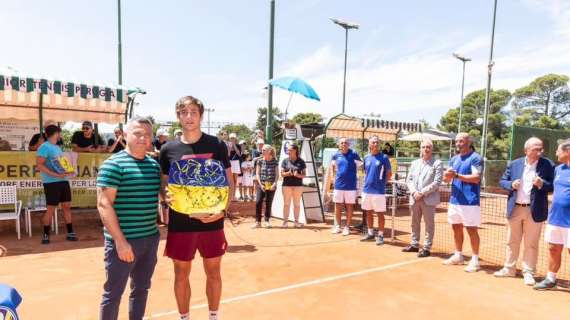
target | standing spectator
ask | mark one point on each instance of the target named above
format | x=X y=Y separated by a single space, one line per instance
x=86 y=140
x=205 y=234
x=243 y=149
x=464 y=210
x=225 y=138
x=377 y=171
x=235 y=156
x=266 y=174
x=127 y=199
x=118 y=143
x=257 y=152
x=161 y=139
x=388 y=150
x=293 y=171
x=528 y=180
x=39 y=138
x=345 y=161
x=557 y=231
x=248 y=177
x=56 y=184
x=177 y=134
x=424 y=179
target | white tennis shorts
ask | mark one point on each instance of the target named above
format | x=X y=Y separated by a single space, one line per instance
x=344 y=196
x=469 y=216
x=557 y=235
x=375 y=202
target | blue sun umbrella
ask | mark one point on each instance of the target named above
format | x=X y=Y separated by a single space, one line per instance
x=295 y=85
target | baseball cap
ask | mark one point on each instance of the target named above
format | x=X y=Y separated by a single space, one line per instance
x=162 y=132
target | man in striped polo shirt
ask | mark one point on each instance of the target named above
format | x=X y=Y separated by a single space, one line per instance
x=128 y=184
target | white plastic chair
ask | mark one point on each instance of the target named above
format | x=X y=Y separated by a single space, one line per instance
x=8 y=196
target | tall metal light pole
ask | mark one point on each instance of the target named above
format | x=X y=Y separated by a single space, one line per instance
x=464 y=60
x=488 y=94
x=346 y=26
x=119 y=44
x=269 y=116
x=209 y=110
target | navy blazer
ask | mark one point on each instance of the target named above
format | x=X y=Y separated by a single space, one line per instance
x=538 y=197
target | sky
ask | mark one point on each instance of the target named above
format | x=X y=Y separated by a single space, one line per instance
x=399 y=62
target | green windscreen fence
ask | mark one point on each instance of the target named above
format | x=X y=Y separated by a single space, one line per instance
x=548 y=136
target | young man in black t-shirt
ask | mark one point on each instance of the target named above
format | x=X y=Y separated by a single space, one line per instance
x=187 y=235
x=85 y=140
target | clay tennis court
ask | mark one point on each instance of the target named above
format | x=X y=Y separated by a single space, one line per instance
x=282 y=274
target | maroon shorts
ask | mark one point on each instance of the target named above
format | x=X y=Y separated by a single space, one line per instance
x=183 y=245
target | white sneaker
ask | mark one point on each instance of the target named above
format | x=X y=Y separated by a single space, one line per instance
x=256 y=225
x=454 y=260
x=267 y=225
x=504 y=273
x=346 y=231
x=529 y=279
x=285 y=225
x=473 y=266
x=298 y=225
x=335 y=229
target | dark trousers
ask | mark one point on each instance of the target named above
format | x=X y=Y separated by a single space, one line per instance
x=260 y=195
x=118 y=272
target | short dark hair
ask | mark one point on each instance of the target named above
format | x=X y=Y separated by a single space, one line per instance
x=51 y=130
x=189 y=100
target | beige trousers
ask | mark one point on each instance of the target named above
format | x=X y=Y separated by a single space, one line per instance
x=522 y=226
x=292 y=194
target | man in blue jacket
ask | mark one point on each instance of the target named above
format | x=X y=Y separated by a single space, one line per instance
x=528 y=180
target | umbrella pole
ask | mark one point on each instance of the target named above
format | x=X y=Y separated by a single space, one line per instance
x=288 y=103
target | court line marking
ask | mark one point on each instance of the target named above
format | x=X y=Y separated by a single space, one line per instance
x=296 y=286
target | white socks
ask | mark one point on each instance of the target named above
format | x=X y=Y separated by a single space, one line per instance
x=213 y=315
x=475 y=258
x=458 y=254
x=370 y=231
x=551 y=276
x=185 y=316
x=381 y=233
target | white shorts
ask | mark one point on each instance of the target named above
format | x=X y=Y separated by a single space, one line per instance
x=469 y=216
x=344 y=196
x=236 y=168
x=239 y=179
x=557 y=235
x=375 y=202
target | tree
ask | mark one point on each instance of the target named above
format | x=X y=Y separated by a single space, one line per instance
x=307 y=118
x=261 y=123
x=473 y=107
x=241 y=130
x=548 y=96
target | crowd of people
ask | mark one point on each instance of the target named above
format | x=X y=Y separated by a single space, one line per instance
x=132 y=185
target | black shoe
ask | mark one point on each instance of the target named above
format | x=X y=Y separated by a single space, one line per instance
x=45 y=239
x=410 y=248
x=71 y=237
x=424 y=253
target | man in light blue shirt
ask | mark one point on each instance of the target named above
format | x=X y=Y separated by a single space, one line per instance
x=55 y=181
x=557 y=231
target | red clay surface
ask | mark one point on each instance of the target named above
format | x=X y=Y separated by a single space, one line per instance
x=276 y=274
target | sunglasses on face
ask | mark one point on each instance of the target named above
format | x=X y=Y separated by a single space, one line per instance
x=85 y=128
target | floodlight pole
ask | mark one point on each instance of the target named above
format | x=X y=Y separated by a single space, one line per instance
x=269 y=116
x=488 y=96
x=345 y=58
x=464 y=60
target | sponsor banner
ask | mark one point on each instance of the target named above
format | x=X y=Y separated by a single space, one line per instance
x=19 y=169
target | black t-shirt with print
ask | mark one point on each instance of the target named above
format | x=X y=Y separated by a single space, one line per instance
x=208 y=147
x=298 y=166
